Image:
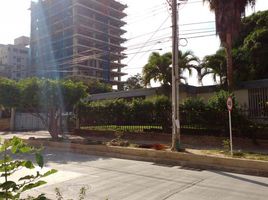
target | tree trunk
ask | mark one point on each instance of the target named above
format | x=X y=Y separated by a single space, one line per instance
x=228 y=48
x=53 y=124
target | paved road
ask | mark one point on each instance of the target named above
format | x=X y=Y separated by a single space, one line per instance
x=117 y=179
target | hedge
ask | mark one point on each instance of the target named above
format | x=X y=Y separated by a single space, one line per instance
x=148 y=112
x=194 y=114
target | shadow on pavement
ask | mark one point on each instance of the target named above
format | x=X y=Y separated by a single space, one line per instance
x=241 y=178
x=60 y=157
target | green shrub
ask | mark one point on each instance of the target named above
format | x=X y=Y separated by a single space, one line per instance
x=155 y=111
x=11 y=188
x=218 y=101
x=163 y=112
x=193 y=111
x=142 y=112
x=226 y=145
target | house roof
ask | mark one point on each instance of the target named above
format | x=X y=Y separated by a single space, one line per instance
x=184 y=88
x=125 y=94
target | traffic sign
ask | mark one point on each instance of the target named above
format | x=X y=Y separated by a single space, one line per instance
x=230 y=103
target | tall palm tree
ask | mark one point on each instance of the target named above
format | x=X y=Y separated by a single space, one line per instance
x=228 y=15
x=159 y=68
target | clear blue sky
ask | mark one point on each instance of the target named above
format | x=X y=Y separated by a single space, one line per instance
x=144 y=16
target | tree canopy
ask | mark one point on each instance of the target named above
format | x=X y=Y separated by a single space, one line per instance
x=96 y=87
x=248 y=53
x=216 y=65
x=228 y=16
x=159 y=68
x=47 y=99
x=9 y=93
x=134 y=82
x=251 y=48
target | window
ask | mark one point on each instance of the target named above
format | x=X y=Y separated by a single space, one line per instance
x=23 y=51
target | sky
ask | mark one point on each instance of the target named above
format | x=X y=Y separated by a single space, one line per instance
x=148 y=29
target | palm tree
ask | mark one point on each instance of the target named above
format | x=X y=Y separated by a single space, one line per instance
x=228 y=15
x=215 y=65
x=159 y=68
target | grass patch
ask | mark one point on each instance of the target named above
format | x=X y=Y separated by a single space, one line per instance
x=238 y=154
x=129 y=128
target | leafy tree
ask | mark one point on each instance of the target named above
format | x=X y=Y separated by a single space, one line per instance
x=159 y=68
x=9 y=93
x=248 y=53
x=96 y=87
x=47 y=99
x=251 y=48
x=134 y=82
x=228 y=22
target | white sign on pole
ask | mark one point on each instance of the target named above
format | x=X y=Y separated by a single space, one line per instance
x=230 y=108
x=230 y=103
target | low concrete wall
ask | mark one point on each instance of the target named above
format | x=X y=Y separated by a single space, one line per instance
x=259 y=168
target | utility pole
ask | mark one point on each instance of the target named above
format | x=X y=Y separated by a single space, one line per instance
x=176 y=135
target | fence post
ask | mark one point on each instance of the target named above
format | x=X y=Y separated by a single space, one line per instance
x=12 y=119
x=77 y=123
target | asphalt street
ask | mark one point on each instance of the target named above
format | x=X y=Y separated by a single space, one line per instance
x=117 y=179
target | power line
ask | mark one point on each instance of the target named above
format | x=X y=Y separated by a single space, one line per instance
x=196 y=29
x=142 y=35
x=165 y=28
x=159 y=40
x=200 y=36
x=162 y=40
x=98 y=55
x=193 y=2
x=144 y=18
x=150 y=38
x=159 y=6
x=194 y=23
x=146 y=13
x=193 y=33
x=193 y=37
x=144 y=51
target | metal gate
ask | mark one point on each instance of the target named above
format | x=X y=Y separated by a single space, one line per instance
x=27 y=122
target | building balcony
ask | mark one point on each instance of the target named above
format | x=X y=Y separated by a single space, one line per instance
x=104 y=7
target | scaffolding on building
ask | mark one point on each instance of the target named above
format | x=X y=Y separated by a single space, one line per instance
x=80 y=39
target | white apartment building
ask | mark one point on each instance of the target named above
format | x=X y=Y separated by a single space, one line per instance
x=14 y=59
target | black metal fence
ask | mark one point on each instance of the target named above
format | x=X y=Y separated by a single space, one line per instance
x=207 y=123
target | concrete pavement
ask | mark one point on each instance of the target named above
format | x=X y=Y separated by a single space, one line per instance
x=117 y=179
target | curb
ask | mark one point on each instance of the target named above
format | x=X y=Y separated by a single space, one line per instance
x=203 y=162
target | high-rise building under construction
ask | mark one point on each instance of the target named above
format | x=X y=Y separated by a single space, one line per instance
x=79 y=39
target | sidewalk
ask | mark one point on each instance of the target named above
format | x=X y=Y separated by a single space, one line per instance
x=197 y=149
x=190 y=158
